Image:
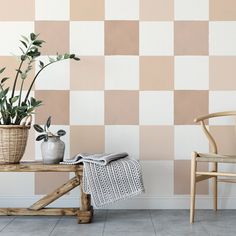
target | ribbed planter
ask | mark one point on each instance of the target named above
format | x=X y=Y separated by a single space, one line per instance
x=53 y=150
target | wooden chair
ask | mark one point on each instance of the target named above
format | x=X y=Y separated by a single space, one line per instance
x=212 y=157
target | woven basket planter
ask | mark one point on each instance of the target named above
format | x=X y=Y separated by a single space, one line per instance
x=13 y=139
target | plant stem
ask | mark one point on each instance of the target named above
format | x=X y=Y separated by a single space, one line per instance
x=29 y=90
x=18 y=119
x=22 y=84
x=17 y=74
x=21 y=88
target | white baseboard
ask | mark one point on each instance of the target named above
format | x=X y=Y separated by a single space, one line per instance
x=156 y=202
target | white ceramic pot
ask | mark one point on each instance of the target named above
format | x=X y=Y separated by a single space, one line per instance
x=53 y=150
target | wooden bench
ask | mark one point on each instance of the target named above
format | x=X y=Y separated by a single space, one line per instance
x=84 y=213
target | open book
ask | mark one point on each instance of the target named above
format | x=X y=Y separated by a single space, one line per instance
x=99 y=158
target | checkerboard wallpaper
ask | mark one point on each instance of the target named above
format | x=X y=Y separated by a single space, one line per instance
x=147 y=69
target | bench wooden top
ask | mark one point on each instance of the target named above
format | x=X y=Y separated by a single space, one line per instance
x=34 y=166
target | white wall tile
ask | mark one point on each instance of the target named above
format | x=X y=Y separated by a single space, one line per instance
x=87 y=108
x=156 y=108
x=189 y=138
x=154 y=172
x=54 y=77
x=191 y=10
x=222 y=38
x=11 y=34
x=122 y=72
x=156 y=38
x=122 y=138
x=122 y=10
x=222 y=101
x=191 y=72
x=52 y=9
x=87 y=38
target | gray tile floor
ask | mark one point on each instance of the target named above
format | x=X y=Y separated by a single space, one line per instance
x=125 y=223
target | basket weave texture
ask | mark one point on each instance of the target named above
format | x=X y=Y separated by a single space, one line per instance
x=13 y=139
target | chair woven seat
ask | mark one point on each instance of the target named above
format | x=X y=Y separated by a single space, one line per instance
x=211 y=157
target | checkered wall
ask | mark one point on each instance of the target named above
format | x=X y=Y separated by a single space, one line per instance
x=147 y=69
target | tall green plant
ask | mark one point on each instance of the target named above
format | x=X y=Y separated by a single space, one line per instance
x=13 y=108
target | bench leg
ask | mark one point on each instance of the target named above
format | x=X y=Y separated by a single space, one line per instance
x=65 y=188
x=85 y=213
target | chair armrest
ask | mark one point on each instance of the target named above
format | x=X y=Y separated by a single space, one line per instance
x=216 y=114
x=201 y=119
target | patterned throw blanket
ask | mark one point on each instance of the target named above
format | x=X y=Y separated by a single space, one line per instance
x=120 y=178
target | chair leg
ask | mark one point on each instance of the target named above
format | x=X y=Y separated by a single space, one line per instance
x=193 y=186
x=214 y=185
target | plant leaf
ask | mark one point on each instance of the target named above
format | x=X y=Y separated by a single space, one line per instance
x=61 y=132
x=22 y=50
x=24 y=43
x=2 y=69
x=38 y=128
x=30 y=110
x=59 y=57
x=32 y=36
x=32 y=101
x=66 y=56
x=14 y=99
x=33 y=53
x=38 y=103
x=3 y=93
x=23 y=57
x=25 y=38
x=40 y=137
x=48 y=123
x=23 y=75
x=23 y=104
x=4 y=79
x=76 y=58
x=51 y=59
x=41 y=64
x=38 y=42
x=19 y=71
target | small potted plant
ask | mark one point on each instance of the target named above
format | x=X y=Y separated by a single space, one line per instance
x=16 y=109
x=52 y=147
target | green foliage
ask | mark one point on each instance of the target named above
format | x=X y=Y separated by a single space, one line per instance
x=61 y=132
x=46 y=132
x=13 y=108
x=48 y=123
x=38 y=128
x=2 y=69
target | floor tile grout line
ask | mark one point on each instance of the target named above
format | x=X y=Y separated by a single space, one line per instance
x=55 y=225
x=150 y=214
x=105 y=221
x=8 y=223
x=204 y=228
